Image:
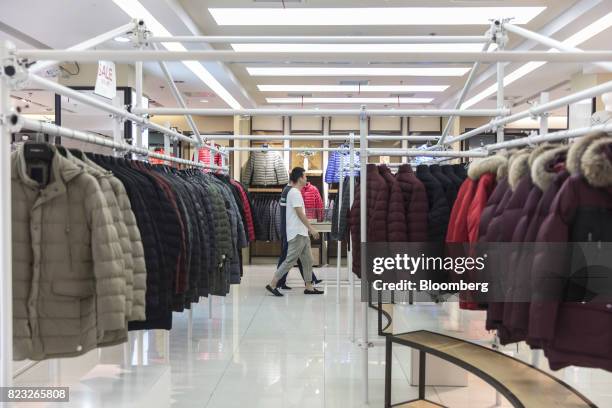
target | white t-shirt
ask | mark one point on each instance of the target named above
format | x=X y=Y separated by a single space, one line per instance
x=295 y=226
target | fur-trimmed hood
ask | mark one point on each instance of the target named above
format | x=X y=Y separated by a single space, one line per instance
x=539 y=150
x=541 y=173
x=596 y=163
x=578 y=148
x=517 y=168
x=486 y=165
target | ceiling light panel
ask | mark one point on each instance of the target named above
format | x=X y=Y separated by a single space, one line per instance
x=369 y=16
x=349 y=71
x=352 y=88
x=309 y=100
x=374 y=48
x=135 y=9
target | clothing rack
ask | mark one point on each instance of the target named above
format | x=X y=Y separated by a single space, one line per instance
x=50 y=128
x=14 y=65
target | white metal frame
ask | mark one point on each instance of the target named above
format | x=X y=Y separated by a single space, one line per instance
x=10 y=56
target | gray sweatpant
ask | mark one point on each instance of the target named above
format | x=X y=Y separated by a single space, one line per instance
x=298 y=247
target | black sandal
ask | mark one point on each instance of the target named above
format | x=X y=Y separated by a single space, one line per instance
x=274 y=291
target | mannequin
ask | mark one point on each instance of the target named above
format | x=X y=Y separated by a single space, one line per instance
x=604 y=116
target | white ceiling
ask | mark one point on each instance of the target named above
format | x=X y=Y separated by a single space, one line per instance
x=53 y=26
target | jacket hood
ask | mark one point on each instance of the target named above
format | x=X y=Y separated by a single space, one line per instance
x=541 y=172
x=578 y=148
x=62 y=169
x=435 y=168
x=596 y=163
x=518 y=168
x=539 y=150
x=486 y=165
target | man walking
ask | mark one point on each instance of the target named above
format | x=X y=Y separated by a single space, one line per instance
x=297 y=228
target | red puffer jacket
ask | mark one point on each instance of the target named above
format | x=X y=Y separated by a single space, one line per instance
x=248 y=213
x=469 y=205
x=377 y=201
x=313 y=202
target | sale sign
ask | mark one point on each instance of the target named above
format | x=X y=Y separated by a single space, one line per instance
x=106 y=80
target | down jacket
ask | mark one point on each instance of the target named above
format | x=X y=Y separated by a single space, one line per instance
x=339 y=164
x=574 y=332
x=265 y=168
x=449 y=172
x=439 y=209
x=449 y=186
x=469 y=205
x=139 y=285
x=416 y=206
x=377 y=195
x=68 y=270
x=313 y=203
x=547 y=173
x=397 y=230
x=341 y=210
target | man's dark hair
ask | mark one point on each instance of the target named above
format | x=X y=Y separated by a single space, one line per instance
x=296 y=174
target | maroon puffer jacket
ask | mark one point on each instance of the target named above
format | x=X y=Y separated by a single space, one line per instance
x=396 y=213
x=548 y=174
x=576 y=333
x=416 y=205
x=501 y=226
x=377 y=201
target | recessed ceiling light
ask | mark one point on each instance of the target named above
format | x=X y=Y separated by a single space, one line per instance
x=134 y=9
x=348 y=100
x=122 y=39
x=578 y=38
x=204 y=100
x=352 y=88
x=368 y=16
x=374 y=48
x=328 y=71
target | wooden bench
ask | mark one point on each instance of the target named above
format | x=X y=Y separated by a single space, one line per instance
x=523 y=385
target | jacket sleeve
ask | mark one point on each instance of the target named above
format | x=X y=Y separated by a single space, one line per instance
x=247 y=171
x=107 y=262
x=550 y=266
x=123 y=239
x=140 y=271
x=418 y=208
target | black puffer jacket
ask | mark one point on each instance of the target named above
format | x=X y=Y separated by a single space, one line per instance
x=460 y=171
x=340 y=215
x=439 y=209
x=144 y=201
x=450 y=189
x=449 y=172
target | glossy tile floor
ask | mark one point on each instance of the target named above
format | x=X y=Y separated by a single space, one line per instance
x=261 y=351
